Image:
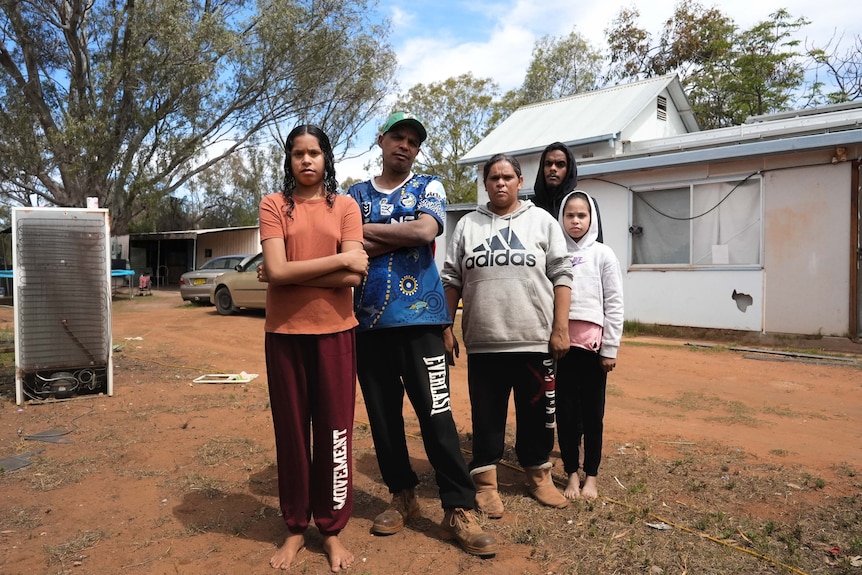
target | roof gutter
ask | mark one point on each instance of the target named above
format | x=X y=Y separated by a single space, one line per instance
x=770 y=147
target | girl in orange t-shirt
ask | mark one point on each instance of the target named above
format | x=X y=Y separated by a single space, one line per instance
x=313 y=256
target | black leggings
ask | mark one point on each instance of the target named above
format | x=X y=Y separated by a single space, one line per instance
x=581 y=385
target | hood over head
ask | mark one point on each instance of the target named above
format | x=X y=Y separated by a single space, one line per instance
x=549 y=198
x=594 y=234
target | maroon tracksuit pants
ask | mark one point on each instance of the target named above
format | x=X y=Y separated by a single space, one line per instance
x=312 y=391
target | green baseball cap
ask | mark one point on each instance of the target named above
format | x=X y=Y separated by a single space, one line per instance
x=405 y=118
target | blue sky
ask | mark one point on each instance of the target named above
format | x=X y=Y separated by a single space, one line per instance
x=438 y=39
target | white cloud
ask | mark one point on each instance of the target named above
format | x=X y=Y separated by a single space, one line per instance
x=438 y=39
x=497 y=39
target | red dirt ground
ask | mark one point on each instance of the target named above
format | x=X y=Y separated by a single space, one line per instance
x=134 y=475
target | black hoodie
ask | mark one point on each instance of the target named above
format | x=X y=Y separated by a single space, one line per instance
x=550 y=198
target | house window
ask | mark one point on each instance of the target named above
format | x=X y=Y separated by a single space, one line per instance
x=705 y=224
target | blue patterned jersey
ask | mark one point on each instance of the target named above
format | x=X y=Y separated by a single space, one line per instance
x=402 y=287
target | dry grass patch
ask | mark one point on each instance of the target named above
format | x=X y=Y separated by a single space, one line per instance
x=50 y=474
x=220 y=450
x=208 y=486
x=710 y=507
x=72 y=550
x=21 y=518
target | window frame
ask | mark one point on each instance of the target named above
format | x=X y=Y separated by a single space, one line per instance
x=692 y=185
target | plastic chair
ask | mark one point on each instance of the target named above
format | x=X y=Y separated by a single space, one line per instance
x=145 y=285
x=161 y=276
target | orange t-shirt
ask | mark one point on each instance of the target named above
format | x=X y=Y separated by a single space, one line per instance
x=315 y=231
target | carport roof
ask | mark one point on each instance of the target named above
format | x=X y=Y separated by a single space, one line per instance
x=184 y=234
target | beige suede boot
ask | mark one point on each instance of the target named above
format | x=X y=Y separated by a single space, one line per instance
x=403 y=507
x=541 y=486
x=487 y=497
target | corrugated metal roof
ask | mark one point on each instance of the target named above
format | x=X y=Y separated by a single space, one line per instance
x=775 y=126
x=671 y=159
x=580 y=119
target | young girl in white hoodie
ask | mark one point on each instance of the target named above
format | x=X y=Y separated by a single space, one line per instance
x=595 y=328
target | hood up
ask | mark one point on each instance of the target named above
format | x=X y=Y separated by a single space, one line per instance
x=549 y=198
x=593 y=235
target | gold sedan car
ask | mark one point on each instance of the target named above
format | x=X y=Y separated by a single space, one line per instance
x=239 y=289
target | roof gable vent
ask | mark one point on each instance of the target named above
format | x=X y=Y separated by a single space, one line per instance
x=661 y=108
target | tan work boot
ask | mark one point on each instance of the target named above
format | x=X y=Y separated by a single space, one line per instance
x=461 y=524
x=403 y=507
x=542 y=487
x=487 y=497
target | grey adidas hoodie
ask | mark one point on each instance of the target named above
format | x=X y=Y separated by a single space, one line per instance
x=506 y=268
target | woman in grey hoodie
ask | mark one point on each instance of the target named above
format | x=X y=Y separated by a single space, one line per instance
x=508 y=263
x=595 y=329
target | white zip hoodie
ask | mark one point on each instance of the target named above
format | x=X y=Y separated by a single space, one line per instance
x=597 y=285
x=506 y=268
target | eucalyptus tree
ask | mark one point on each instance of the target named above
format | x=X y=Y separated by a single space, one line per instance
x=561 y=66
x=229 y=193
x=728 y=73
x=457 y=113
x=838 y=72
x=127 y=100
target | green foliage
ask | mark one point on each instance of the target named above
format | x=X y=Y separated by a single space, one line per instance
x=561 y=67
x=345 y=185
x=728 y=74
x=457 y=114
x=229 y=193
x=127 y=100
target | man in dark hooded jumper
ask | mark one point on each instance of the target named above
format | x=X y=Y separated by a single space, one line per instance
x=557 y=177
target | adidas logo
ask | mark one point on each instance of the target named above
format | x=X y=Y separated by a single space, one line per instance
x=501 y=249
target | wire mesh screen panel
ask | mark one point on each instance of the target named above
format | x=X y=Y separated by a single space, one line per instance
x=62 y=271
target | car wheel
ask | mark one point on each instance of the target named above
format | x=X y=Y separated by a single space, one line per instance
x=224 y=302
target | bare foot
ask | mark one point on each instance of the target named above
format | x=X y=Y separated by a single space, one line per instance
x=572 y=490
x=339 y=557
x=283 y=558
x=590 y=489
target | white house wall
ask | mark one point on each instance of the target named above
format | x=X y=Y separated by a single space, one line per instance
x=647 y=126
x=803 y=286
x=807 y=248
x=702 y=299
x=676 y=297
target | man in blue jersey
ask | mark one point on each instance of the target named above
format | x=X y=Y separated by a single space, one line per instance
x=402 y=313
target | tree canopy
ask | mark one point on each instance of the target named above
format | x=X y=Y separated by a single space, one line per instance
x=127 y=100
x=727 y=73
x=842 y=71
x=457 y=114
x=561 y=67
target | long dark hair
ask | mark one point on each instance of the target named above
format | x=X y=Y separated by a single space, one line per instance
x=329 y=183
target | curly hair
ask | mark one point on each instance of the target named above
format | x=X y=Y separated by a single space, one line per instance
x=329 y=182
